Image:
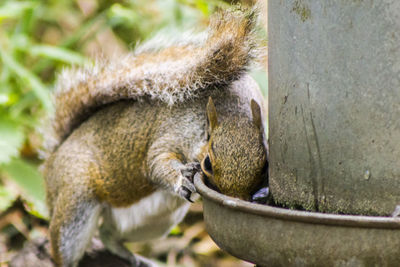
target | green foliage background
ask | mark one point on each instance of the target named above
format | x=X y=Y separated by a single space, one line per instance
x=37 y=40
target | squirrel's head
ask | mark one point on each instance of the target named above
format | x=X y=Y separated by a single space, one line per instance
x=236 y=159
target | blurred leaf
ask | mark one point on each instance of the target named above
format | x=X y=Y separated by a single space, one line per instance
x=4 y=98
x=83 y=30
x=260 y=76
x=14 y=9
x=119 y=14
x=20 y=41
x=7 y=197
x=37 y=86
x=176 y=230
x=28 y=178
x=37 y=208
x=27 y=22
x=57 y=53
x=11 y=139
x=23 y=102
x=202 y=6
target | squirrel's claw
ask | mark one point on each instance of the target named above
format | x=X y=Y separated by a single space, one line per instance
x=185 y=193
x=187 y=188
x=190 y=170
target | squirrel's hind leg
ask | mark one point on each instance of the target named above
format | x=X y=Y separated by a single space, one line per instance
x=73 y=223
x=114 y=243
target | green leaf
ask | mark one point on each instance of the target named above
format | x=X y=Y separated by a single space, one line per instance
x=176 y=230
x=4 y=98
x=7 y=197
x=202 y=6
x=23 y=102
x=11 y=139
x=119 y=14
x=261 y=77
x=14 y=9
x=28 y=178
x=40 y=90
x=57 y=53
x=81 y=34
x=37 y=208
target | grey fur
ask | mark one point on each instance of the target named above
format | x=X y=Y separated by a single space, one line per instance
x=171 y=74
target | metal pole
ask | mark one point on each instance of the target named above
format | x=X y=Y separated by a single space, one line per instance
x=334 y=105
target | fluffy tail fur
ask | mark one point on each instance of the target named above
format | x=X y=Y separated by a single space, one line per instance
x=170 y=74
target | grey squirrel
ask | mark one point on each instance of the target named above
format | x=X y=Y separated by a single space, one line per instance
x=128 y=136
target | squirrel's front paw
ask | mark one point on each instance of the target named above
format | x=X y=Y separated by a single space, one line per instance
x=190 y=169
x=186 y=189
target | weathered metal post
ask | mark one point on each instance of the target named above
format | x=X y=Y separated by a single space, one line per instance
x=334 y=101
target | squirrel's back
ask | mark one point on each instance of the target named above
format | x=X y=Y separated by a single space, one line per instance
x=172 y=74
x=115 y=141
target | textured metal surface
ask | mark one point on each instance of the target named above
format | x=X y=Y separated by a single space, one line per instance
x=271 y=236
x=334 y=91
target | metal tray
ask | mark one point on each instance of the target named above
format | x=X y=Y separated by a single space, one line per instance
x=270 y=236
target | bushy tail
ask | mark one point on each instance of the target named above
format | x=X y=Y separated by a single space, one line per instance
x=170 y=74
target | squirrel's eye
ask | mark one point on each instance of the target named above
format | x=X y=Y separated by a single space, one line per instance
x=206 y=166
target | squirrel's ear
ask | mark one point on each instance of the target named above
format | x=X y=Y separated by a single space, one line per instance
x=256 y=112
x=211 y=114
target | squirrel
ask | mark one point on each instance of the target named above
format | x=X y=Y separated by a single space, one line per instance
x=128 y=135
